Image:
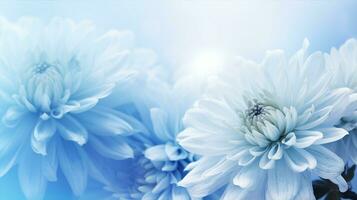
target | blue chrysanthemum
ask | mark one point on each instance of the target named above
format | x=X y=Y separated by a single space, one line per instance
x=342 y=63
x=160 y=161
x=262 y=130
x=55 y=81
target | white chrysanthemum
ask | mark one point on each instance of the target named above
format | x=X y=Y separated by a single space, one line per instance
x=53 y=82
x=342 y=64
x=261 y=133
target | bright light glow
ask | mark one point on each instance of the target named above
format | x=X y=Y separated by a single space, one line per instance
x=205 y=63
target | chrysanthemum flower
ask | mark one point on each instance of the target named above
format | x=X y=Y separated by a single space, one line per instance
x=54 y=80
x=261 y=133
x=342 y=63
x=160 y=162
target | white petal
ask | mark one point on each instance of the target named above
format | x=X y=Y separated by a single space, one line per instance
x=200 y=186
x=290 y=139
x=306 y=138
x=283 y=183
x=235 y=192
x=84 y=105
x=43 y=132
x=44 y=129
x=276 y=152
x=97 y=91
x=341 y=183
x=205 y=121
x=71 y=129
x=329 y=165
x=175 y=152
x=197 y=141
x=270 y=131
x=265 y=162
x=331 y=135
x=249 y=176
x=156 y=153
x=299 y=159
x=316 y=119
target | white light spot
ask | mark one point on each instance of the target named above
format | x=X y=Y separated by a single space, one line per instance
x=206 y=63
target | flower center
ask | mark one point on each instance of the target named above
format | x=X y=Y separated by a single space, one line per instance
x=41 y=68
x=255 y=110
x=44 y=86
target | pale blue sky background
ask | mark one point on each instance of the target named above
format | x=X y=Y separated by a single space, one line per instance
x=179 y=30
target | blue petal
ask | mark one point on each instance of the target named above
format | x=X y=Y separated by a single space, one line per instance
x=112 y=147
x=329 y=165
x=12 y=116
x=50 y=162
x=106 y=122
x=73 y=166
x=179 y=193
x=160 y=124
x=32 y=181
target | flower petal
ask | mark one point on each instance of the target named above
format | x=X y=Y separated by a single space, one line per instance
x=235 y=192
x=32 y=181
x=306 y=138
x=12 y=116
x=160 y=121
x=71 y=129
x=43 y=131
x=179 y=193
x=73 y=167
x=156 y=153
x=50 y=162
x=112 y=147
x=283 y=183
x=106 y=122
x=329 y=165
x=175 y=152
x=331 y=135
x=249 y=176
x=299 y=159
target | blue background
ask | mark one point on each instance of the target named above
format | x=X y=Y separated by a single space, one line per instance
x=179 y=31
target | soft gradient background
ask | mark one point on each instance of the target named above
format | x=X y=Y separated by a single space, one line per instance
x=198 y=34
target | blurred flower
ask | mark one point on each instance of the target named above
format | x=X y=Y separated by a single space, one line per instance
x=160 y=161
x=342 y=63
x=53 y=82
x=262 y=129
